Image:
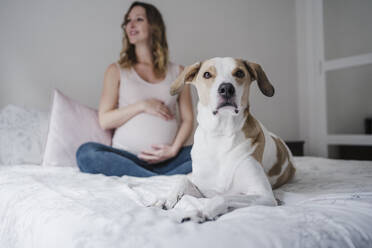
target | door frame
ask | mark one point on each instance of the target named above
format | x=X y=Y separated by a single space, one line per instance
x=311 y=81
x=312 y=68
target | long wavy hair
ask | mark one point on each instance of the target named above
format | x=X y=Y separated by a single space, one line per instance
x=159 y=45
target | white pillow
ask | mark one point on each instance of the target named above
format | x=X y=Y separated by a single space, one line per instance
x=22 y=135
x=71 y=124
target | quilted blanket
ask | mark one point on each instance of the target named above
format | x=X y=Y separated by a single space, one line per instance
x=327 y=204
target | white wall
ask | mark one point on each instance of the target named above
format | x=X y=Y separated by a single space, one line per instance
x=48 y=44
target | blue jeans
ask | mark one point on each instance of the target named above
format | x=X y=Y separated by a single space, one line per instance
x=98 y=158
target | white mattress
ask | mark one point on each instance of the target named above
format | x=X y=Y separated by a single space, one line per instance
x=328 y=204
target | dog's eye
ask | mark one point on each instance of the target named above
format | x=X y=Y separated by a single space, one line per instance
x=239 y=74
x=207 y=75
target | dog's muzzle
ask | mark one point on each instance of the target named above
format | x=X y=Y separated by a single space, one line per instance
x=226 y=93
x=226 y=90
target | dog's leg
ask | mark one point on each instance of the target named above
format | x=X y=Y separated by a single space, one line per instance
x=220 y=205
x=190 y=208
x=249 y=186
x=183 y=187
x=207 y=209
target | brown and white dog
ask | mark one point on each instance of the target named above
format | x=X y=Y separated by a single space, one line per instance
x=236 y=162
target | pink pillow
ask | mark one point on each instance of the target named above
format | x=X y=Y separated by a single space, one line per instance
x=71 y=124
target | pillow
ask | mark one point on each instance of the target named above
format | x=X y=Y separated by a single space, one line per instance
x=71 y=124
x=22 y=135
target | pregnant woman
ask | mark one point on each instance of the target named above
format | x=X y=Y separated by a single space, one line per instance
x=148 y=138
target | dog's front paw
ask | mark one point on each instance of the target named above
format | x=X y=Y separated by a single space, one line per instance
x=168 y=203
x=172 y=201
x=195 y=216
x=175 y=195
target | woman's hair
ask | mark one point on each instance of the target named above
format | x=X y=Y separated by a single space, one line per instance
x=159 y=45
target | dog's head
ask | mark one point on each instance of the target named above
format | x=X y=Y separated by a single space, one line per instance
x=223 y=83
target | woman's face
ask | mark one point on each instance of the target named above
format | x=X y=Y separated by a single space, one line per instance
x=137 y=27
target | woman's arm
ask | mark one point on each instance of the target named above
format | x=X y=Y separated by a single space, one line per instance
x=163 y=152
x=110 y=116
x=187 y=119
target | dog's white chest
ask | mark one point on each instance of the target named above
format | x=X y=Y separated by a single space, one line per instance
x=215 y=159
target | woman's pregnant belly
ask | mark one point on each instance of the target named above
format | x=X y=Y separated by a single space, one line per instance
x=144 y=130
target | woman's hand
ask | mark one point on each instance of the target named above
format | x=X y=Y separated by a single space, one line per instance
x=159 y=154
x=156 y=107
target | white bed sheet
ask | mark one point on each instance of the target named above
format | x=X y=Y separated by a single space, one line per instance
x=328 y=204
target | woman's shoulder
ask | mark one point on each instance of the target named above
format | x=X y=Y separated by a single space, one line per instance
x=112 y=73
x=113 y=68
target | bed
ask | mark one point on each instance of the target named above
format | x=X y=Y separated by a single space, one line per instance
x=327 y=204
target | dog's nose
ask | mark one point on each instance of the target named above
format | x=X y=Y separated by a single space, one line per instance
x=226 y=90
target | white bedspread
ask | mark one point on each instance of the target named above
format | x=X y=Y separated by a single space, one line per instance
x=328 y=204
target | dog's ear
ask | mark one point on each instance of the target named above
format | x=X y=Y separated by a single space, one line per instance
x=186 y=76
x=258 y=74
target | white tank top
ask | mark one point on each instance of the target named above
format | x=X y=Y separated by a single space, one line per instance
x=144 y=130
